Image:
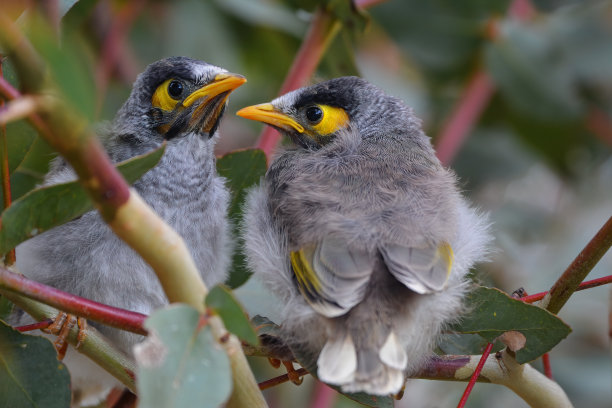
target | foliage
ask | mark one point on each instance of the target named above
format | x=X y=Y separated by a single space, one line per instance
x=538 y=158
x=30 y=375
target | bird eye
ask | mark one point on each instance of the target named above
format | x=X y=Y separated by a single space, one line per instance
x=314 y=114
x=175 y=89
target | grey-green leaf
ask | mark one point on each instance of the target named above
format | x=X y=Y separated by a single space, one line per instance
x=180 y=364
x=243 y=169
x=46 y=207
x=493 y=312
x=221 y=300
x=30 y=374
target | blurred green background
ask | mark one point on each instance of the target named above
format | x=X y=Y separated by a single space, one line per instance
x=537 y=159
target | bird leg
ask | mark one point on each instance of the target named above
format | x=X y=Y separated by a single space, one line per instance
x=293 y=375
x=274 y=362
x=61 y=327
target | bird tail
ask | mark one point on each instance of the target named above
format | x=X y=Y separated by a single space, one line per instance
x=357 y=362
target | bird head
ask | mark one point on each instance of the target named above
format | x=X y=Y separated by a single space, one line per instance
x=314 y=116
x=178 y=95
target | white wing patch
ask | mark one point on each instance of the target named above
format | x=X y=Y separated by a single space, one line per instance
x=421 y=269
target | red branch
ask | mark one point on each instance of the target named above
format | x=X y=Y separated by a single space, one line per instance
x=324 y=396
x=584 y=285
x=466 y=112
x=311 y=51
x=6 y=176
x=43 y=324
x=580 y=268
x=112 y=316
x=475 y=375
x=114 y=44
x=546 y=364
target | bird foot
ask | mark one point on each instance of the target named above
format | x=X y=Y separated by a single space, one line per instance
x=61 y=327
x=293 y=375
x=274 y=362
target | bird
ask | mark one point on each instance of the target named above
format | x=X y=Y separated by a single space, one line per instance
x=361 y=233
x=178 y=101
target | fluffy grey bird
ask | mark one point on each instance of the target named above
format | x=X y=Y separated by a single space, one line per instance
x=361 y=232
x=179 y=101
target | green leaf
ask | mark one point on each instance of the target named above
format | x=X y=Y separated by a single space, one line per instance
x=180 y=364
x=66 y=5
x=221 y=300
x=242 y=169
x=493 y=312
x=47 y=207
x=30 y=374
x=6 y=308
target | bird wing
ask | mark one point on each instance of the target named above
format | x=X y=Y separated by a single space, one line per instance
x=331 y=276
x=421 y=269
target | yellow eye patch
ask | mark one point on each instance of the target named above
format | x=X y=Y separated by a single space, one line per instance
x=162 y=99
x=333 y=120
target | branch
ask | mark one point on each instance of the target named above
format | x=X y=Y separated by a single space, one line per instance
x=569 y=282
x=584 y=285
x=500 y=368
x=321 y=32
x=475 y=375
x=5 y=172
x=464 y=116
x=95 y=346
x=111 y=316
x=129 y=217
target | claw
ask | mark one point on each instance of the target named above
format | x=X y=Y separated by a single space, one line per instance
x=274 y=362
x=292 y=374
x=61 y=327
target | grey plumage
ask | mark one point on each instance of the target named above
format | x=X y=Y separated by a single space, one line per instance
x=365 y=203
x=85 y=258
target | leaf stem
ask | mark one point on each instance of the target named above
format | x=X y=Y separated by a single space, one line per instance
x=112 y=316
x=477 y=371
x=580 y=267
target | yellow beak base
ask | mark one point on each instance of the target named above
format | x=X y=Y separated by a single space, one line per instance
x=266 y=113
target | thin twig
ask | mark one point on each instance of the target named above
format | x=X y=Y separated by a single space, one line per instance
x=280 y=379
x=9 y=259
x=546 y=365
x=579 y=268
x=43 y=324
x=481 y=363
x=584 y=285
x=112 y=316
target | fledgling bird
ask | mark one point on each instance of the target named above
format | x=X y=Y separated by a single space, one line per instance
x=361 y=232
x=179 y=101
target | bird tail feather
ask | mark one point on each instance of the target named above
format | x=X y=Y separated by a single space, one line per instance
x=374 y=370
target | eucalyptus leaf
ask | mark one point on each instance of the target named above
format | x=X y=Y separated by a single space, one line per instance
x=223 y=303
x=30 y=374
x=180 y=364
x=242 y=169
x=494 y=313
x=50 y=206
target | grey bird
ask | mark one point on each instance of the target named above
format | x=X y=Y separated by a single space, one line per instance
x=361 y=232
x=179 y=101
